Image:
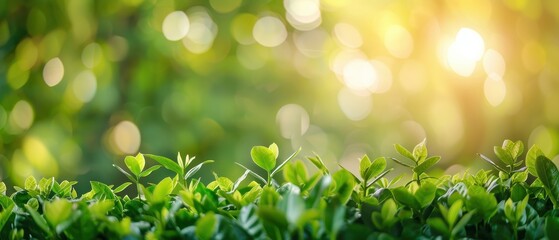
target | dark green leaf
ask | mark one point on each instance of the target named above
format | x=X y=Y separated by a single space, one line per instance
x=206 y=226
x=39 y=220
x=345 y=182
x=439 y=225
x=549 y=176
x=552 y=227
x=249 y=221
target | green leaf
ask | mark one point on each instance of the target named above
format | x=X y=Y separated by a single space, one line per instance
x=503 y=155
x=272 y=216
x=121 y=187
x=249 y=221
x=454 y=212
x=30 y=183
x=492 y=163
x=520 y=207
x=206 y=226
x=463 y=222
x=2 y=188
x=57 y=211
x=133 y=165
x=196 y=168
x=168 y=163
x=425 y=165
x=425 y=194
x=402 y=163
x=509 y=211
x=6 y=207
x=531 y=157
x=39 y=220
x=292 y=205
x=148 y=171
x=388 y=211
x=274 y=148
x=316 y=193
x=253 y=173
x=420 y=151
x=439 y=225
x=549 y=176
x=318 y=163
x=404 y=152
x=551 y=226
x=373 y=169
x=484 y=202
x=402 y=195
x=125 y=173
x=263 y=157
x=99 y=209
x=345 y=182
x=162 y=190
x=280 y=167
x=364 y=166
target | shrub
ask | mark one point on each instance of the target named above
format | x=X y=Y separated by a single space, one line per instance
x=516 y=200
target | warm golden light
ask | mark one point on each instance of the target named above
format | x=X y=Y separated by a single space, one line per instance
x=466 y=50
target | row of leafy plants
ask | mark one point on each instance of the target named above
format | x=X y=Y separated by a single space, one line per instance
x=518 y=199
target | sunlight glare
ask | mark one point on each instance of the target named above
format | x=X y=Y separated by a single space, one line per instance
x=293 y=121
x=495 y=91
x=53 y=72
x=494 y=63
x=359 y=74
x=269 y=31
x=398 y=41
x=175 y=26
x=355 y=106
x=466 y=50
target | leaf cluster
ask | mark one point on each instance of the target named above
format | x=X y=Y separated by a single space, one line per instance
x=307 y=204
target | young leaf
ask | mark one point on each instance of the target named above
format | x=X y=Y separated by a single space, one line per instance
x=275 y=150
x=364 y=166
x=122 y=187
x=2 y=188
x=148 y=171
x=504 y=155
x=463 y=222
x=377 y=166
x=253 y=173
x=30 y=183
x=425 y=165
x=420 y=151
x=549 y=176
x=263 y=157
x=206 y=226
x=196 y=168
x=318 y=163
x=531 y=157
x=454 y=212
x=404 y=152
x=345 y=182
x=125 y=173
x=492 y=163
x=167 y=163
x=133 y=164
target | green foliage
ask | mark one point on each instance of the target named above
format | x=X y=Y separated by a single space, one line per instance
x=322 y=205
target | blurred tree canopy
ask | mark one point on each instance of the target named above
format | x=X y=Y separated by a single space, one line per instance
x=83 y=83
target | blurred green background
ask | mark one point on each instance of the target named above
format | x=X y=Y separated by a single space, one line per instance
x=84 y=83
